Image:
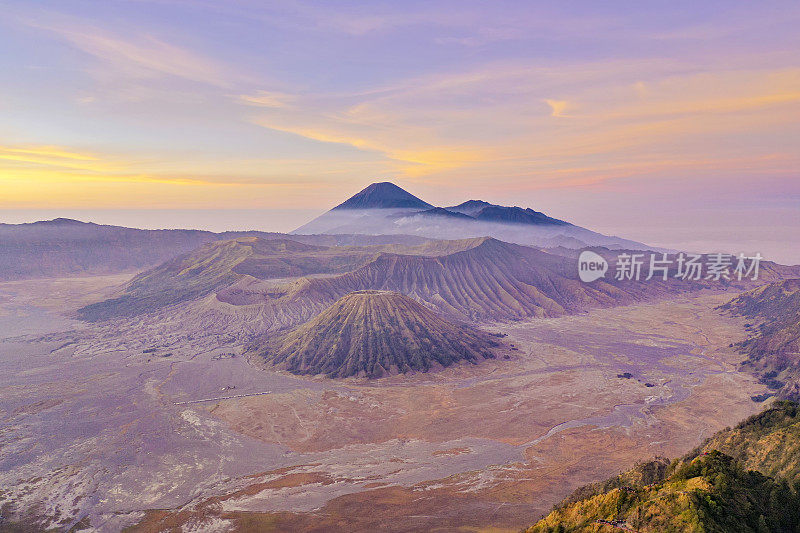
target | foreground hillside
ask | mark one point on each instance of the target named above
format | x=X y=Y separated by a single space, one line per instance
x=773 y=348
x=744 y=479
x=373 y=334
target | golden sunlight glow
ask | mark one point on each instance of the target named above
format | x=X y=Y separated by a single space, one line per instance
x=558 y=107
x=44 y=151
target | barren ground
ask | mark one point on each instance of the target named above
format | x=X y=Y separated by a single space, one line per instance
x=102 y=422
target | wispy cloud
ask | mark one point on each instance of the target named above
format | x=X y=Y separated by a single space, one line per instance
x=500 y=117
x=558 y=107
x=267 y=99
x=133 y=53
x=47 y=152
x=494 y=100
x=52 y=157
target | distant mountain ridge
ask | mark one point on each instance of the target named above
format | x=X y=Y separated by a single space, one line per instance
x=480 y=210
x=382 y=213
x=384 y=208
x=65 y=247
x=470 y=207
x=441 y=211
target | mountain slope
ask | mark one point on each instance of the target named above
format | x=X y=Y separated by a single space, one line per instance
x=470 y=207
x=442 y=212
x=233 y=271
x=492 y=280
x=711 y=493
x=466 y=280
x=375 y=333
x=773 y=349
x=218 y=265
x=768 y=442
x=743 y=479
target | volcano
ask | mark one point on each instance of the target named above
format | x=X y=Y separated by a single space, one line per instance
x=383 y=195
x=373 y=334
x=386 y=209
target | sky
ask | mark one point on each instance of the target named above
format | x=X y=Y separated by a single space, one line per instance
x=672 y=123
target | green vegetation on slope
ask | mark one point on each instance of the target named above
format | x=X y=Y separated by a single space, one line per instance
x=744 y=479
x=768 y=442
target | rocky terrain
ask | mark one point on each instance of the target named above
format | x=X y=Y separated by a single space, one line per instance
x=489 y=446
x=375 y=334
x=773 y=345
x=492 y=280
x=220 y=264
x=162 y=423
x=250 y=286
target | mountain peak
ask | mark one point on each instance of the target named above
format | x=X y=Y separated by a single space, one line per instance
x=383 y=195
x=374 y=333
x=470 y=207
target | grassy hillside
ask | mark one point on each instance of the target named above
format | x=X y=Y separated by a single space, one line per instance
x=768 y=442
x=773 y=347
x=744 y=479
x=374 y=333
